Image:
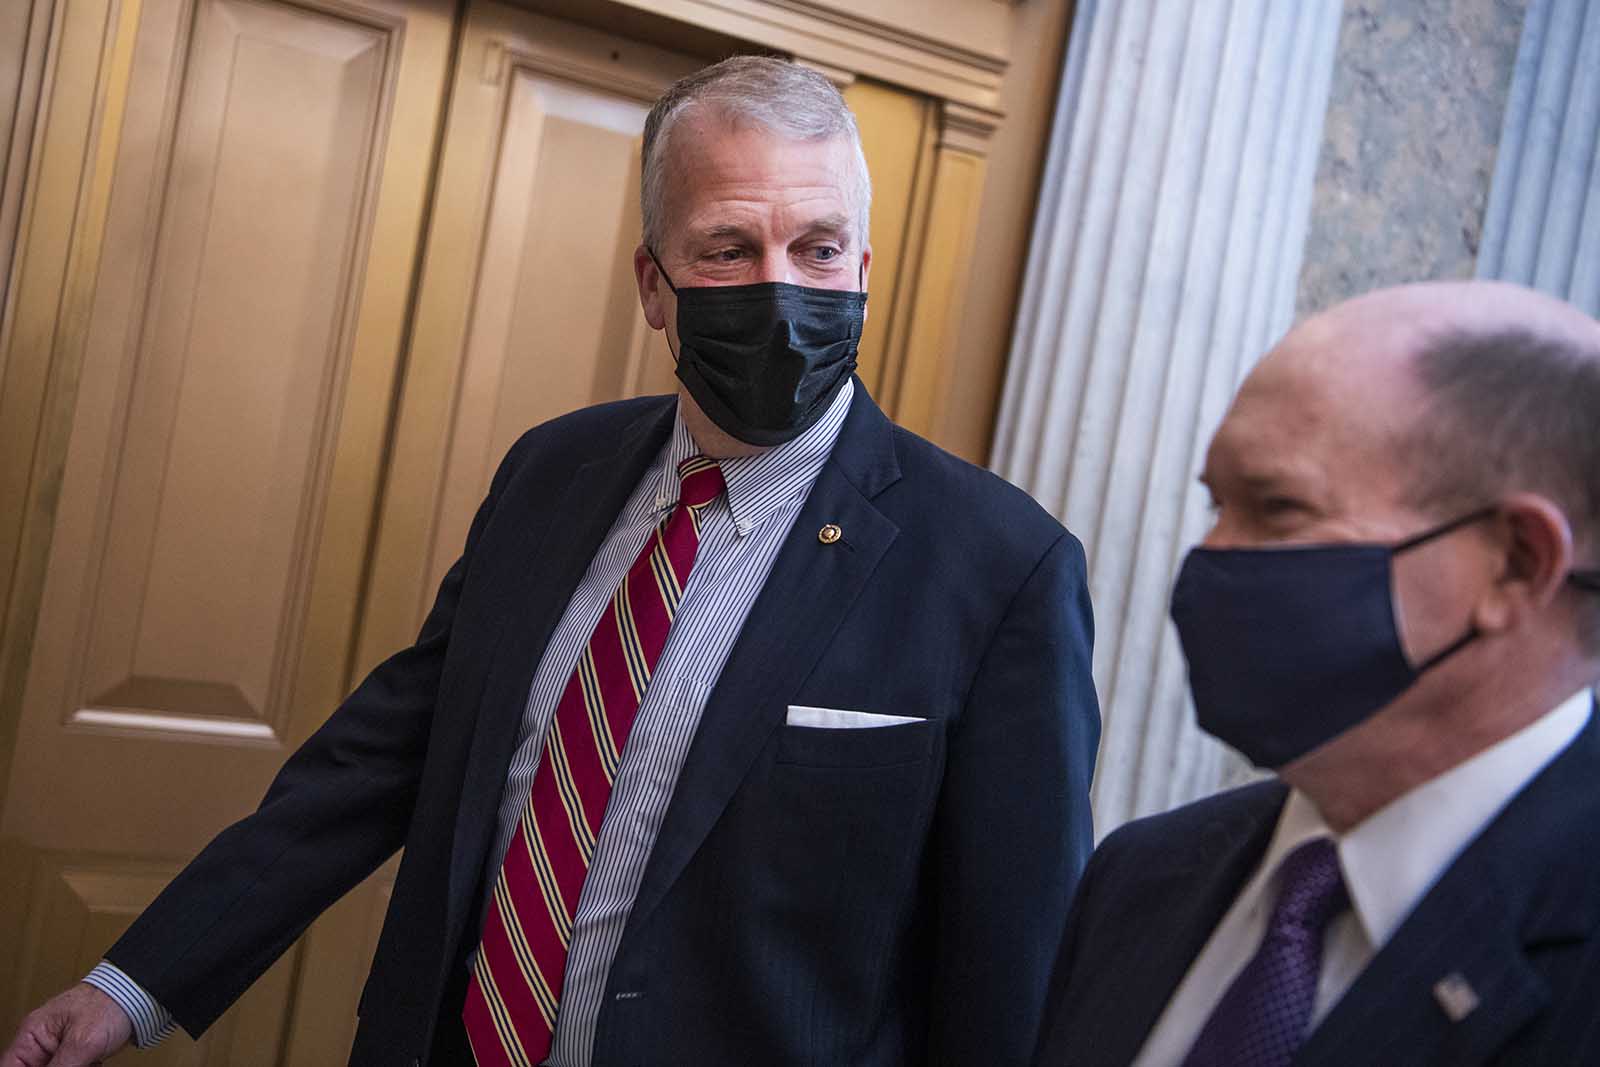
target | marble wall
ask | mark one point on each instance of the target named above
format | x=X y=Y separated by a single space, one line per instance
x=1419 y=93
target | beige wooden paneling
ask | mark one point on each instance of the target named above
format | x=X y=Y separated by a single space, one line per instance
x=194 y=594
x=944 y=272
x=221 y=233
x=338 y=952
x=897 y=129
x=527 y=307
x=946 y=49
x=24 y=25
x=1038 y=31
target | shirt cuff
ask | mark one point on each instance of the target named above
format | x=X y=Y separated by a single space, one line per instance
x=152 y=1024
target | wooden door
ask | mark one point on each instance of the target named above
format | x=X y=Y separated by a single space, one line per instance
x=215 y=258
x=527 y=307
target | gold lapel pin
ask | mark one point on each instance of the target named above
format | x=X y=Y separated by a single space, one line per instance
x=1456 y=996
x=829 y=534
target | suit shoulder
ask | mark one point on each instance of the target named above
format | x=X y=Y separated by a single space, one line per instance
x=1235 y=811
x=589 y=430
x=1003 y=512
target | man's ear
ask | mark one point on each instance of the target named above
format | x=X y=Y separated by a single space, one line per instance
x=651 y=288
x=866 y=274
x=1535 y=540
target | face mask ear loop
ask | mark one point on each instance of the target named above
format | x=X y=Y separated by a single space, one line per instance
x=1423 y=538
x=668 y=279
x=1456 y=646
x=663 y=271
x=1449 y=527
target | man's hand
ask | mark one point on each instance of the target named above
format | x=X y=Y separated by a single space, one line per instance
x=79 y=1027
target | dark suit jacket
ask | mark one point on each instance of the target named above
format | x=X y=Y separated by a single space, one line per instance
x=882 y=896
x=1517 y=915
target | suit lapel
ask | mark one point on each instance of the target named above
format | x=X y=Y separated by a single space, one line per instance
x=807 y=594
x=549 y=551
x=1170 y=919
x=1395 y=1008
x=1522 y=885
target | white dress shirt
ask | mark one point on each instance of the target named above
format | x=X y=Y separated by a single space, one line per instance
x=1390 y=861
x=740 y=536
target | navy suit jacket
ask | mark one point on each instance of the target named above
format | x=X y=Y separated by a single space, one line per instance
x=882 y=896
x=1517 y=915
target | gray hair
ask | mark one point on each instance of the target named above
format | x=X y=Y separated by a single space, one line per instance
x=1512 y=410
x=772 y=94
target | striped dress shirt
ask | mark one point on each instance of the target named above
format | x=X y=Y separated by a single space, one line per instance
x=739 y=540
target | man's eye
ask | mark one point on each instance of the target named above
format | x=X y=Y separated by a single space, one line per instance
x=728 y=255
x=1279 y=505
x=826 y=253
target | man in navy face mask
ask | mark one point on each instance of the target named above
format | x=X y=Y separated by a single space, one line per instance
x=1397 y=611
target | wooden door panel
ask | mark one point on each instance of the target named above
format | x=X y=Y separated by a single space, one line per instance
x=195 y=608
x=218 y=308
x=527 y=308
x=555 y=320
x=219 y=350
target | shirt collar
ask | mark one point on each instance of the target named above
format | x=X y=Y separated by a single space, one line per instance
x=1393 y=857
x=759 y=485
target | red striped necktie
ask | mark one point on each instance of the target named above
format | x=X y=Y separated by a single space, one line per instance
x=515 y=988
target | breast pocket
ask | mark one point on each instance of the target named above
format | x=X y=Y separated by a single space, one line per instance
x=880 y=746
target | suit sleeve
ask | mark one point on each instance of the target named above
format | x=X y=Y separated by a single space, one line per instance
x=340 y=806
x=1013 y=830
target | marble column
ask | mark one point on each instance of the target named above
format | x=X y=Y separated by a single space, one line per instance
x=1543 y=222
x=1164 y=260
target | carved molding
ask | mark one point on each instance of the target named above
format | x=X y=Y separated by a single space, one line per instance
x=836 y=40
x=839 y=76
x=902 y=35
x=964 y=128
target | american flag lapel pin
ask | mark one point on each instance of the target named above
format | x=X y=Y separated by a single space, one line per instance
x=1456 y=996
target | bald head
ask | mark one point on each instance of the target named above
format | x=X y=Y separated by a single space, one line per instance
x=1448 y=396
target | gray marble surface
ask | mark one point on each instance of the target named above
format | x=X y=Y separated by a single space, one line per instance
x=1419 y=92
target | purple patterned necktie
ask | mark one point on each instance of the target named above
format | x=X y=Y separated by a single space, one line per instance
x=1264 y=1017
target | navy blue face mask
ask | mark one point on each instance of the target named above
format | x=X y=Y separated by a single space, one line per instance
x=765 y=361
x=1290 y=647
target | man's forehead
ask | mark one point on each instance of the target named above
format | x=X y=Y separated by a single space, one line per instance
x=1324 y=395
x=707 y=156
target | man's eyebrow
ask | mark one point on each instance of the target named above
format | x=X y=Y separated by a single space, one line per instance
x=836 y=224
x=722 y=231
x=1256 y=478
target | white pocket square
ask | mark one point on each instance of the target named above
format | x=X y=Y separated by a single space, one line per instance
x=837 y=719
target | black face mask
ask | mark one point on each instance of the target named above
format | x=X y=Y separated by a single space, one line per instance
x=1290 y=647
x=764 y=361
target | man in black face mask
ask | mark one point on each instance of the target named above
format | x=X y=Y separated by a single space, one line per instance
x=749 y=729
x=1398 y=611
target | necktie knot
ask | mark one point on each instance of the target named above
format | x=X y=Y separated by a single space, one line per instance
x=700 y=480
x=1311 y=890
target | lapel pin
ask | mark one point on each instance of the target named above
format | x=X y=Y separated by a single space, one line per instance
x=1456 y=996
x=829 y=534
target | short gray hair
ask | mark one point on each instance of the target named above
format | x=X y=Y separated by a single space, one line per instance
x=772 y=94
x=1511 y=410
